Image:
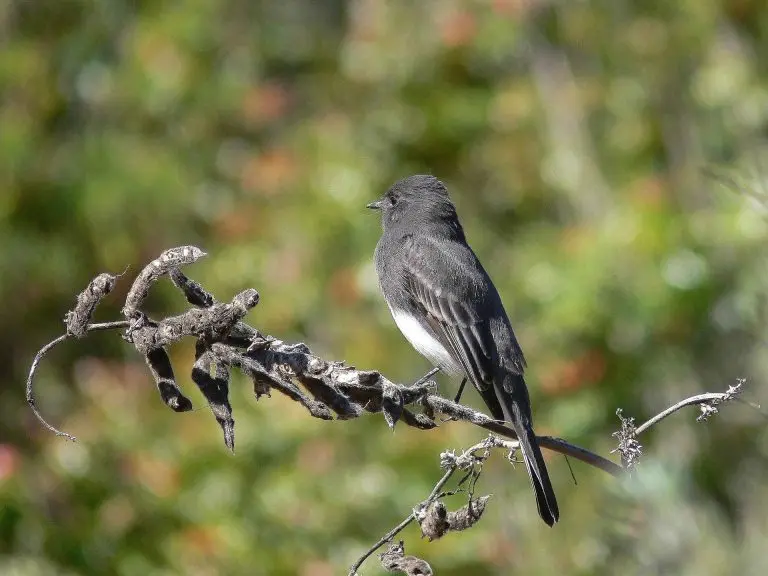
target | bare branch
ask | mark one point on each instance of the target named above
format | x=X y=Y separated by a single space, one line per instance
x=78 y=318
x=212 y=377
x=629 y=447
x=194 y=292
x=167 y=261
x=708 y=403
x=213 y=323
x=160 y=366
x=460 y=412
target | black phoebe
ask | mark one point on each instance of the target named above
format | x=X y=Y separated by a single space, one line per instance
x=446 y=305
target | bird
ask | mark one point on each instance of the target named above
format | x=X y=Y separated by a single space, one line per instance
x=447 y=307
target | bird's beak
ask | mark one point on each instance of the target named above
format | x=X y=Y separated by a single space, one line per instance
x=374 y=205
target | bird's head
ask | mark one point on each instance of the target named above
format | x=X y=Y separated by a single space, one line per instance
x=413 y=200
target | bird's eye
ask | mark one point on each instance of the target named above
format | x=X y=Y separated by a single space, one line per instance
x=391 y=200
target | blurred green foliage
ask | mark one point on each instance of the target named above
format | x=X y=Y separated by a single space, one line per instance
x=572 y=135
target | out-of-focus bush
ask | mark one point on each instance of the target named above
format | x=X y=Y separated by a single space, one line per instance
x=572 y=135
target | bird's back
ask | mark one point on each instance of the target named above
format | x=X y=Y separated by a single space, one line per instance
x=436 y=254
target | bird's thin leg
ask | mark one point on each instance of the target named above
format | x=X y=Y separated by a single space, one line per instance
x=457 y=399
x=461 y=390
x=426 y=377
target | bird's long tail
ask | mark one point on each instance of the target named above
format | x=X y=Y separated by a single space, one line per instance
x=517 y=412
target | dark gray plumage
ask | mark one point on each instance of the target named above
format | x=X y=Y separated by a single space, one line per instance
x=446 y=305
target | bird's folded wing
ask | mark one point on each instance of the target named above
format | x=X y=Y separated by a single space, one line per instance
x=453 y=309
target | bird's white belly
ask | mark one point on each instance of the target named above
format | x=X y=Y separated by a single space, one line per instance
x=424 y=342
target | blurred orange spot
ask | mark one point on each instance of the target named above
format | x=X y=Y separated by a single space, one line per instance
x=317 y=568
x=649 y=191
x=112 y=384
x=497 y=550
x=458 y=29
x=740 y=9
x=160 y=477
x=148 y=46
x=574 y=239
x=235 y=225
x=117 y=515
x=267 y=173
x=202 y=539
x=343 y=287
x=364 y=33
x=514 y=7
x=262 y=104
x=572 y=375
x=316 y=456
x=9 y=461
x=284 y=266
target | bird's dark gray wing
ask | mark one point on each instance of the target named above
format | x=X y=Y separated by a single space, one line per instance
x=448 y=286
x=453 y=300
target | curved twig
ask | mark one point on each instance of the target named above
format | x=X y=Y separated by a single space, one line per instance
x=39 y=356
x=403 y=525
x=706 y=398
x=554 y=444
x=451 y=462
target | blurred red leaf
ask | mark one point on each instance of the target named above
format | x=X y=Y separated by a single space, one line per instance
x=262 y=104
x=238 y=224
x=458 y=29
x=203 y=539
x=317 y=568
x=574 y=239
x=516 y=8
x=649 y=191
x=316 y=456
x=574 y=374
x=9 y=461
x=269 y=173
x=497 y=549
x=343 y=287
x=158 y=476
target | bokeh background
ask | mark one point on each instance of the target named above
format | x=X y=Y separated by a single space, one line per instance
x=575 y=137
